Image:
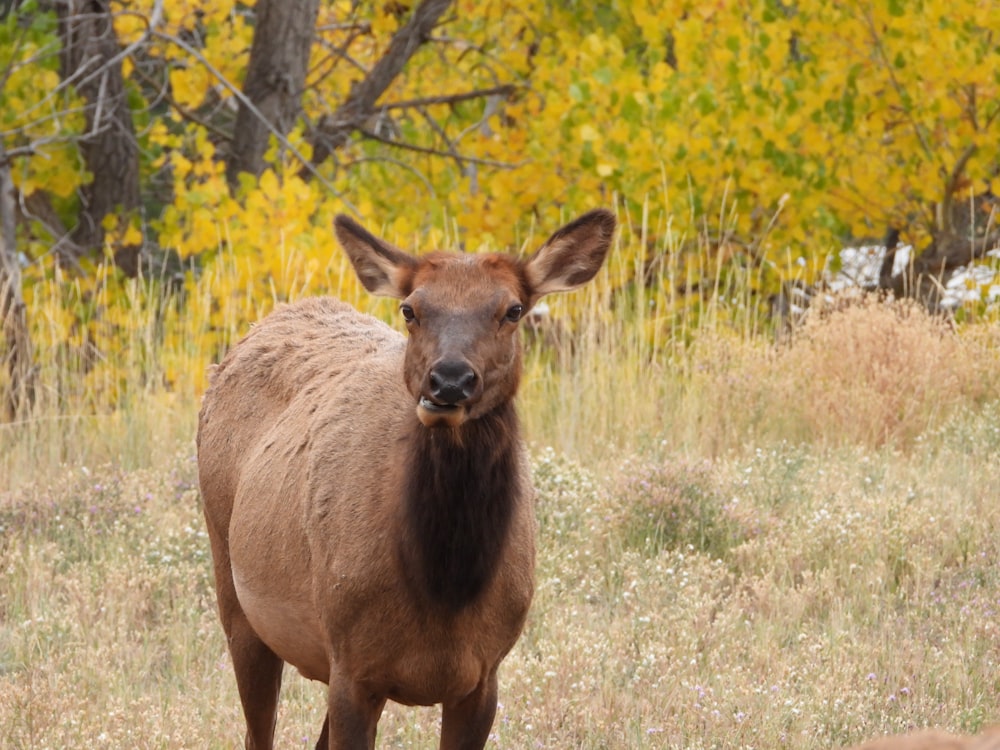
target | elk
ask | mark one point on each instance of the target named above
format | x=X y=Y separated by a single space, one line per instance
x=935 y=739
x=367 y=496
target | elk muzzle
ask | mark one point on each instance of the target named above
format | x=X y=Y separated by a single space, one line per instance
x=452 y=386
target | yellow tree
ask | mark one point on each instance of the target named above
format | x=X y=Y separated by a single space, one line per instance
x=787 y=128
x=756 y=137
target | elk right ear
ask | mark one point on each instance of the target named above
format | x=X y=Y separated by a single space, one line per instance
x=572 y=256
x=383 y=268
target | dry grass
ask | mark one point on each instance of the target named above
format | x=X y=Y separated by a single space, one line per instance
x=742 y=545
x=789 y=597
x=865 y=372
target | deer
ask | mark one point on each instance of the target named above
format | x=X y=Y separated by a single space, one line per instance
x=367 y=494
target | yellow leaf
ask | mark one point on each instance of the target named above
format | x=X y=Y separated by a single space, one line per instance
x=132 y=236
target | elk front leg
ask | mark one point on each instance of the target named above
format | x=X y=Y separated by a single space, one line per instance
x=352 y=716
x=466 y=725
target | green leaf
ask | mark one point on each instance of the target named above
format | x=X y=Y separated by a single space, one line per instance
x=604 y=75
x=632 y=111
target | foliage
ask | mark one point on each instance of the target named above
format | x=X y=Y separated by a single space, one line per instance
x=741 y=143
x=41 y=117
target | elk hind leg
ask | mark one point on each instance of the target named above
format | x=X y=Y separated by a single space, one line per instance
x=258 y=678
x=258 y=669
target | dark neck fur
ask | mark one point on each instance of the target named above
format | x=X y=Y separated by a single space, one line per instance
x=462 y=489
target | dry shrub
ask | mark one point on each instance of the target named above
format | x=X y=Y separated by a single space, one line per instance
x=861 y=370
x=677 y=505
x=873 y=370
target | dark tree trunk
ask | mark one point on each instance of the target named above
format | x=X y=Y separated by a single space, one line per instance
x=967 y=239
x=889 y=259
x=109 y=147
x=275 y=80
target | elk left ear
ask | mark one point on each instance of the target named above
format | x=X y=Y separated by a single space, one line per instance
x=384 y=269
x=572 y=256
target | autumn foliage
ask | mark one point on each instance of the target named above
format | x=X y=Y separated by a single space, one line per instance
x=741 y=143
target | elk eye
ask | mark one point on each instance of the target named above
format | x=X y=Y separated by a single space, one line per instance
x=514 y=313
x=408 y=314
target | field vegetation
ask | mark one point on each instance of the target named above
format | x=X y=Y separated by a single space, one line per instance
x=743 y=543
x=755 y=531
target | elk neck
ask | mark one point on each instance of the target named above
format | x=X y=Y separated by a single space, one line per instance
x=462 y=490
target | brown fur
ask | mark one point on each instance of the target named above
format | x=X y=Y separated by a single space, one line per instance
x=935 y=739
x=367 y=498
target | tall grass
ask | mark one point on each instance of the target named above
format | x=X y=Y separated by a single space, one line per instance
x=710 y=376
x=742 y=543
x=633 y=361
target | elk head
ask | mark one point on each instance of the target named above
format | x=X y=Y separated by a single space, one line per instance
x=463 y=357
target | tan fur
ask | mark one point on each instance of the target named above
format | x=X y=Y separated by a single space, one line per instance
x=302 y=445
x=935 y=739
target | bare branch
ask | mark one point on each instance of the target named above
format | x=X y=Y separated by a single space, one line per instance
x=7 y=156
x=333 y=131
x=876 y=39
x=80 y=77
x=437 y=128
x=163 y=92
x=951 y=186
x=25 y=128
x=38 y=207
x=401 y=164
x=437 y=152
x=502 y=90
x=339 y=52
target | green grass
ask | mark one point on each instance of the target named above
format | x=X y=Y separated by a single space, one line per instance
x=741 y=545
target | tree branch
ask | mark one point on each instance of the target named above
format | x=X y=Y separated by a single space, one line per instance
x=242 y=99
x=332 y=131
x=437 y=152
x=402 y=165
x=945 y=222
x=38 y=207
x=163 y=92
x=876 y=39
x=502 y=90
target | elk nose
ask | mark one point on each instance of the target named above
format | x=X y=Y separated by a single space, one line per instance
x=452 y=382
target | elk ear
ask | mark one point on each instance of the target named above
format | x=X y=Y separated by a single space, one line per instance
x=572 y=256
x=383 y=268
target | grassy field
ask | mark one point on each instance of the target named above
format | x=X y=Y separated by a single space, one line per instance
x=741 y=546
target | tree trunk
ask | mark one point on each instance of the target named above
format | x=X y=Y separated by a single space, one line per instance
x=16 y=352
x=109 y=147
x=971 y=237
x=275 y=80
